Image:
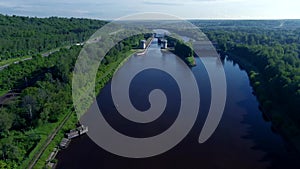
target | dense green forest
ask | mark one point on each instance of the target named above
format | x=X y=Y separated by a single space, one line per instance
x=46 y=100
x=42 y=103
x=269 y=54
x=271 y=58
x=45 y=94
x=22 y=36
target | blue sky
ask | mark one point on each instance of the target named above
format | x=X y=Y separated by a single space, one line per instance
x=188 y=9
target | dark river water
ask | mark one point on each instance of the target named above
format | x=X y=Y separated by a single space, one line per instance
x=243 y=139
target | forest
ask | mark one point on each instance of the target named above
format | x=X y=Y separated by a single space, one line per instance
x=270 y=54
x=271 y=58
x=38 y=107
x=23 y=36
x=46 y=101
x=45 y=96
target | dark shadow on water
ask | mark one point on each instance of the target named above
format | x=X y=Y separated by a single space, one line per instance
x=284 y=156
x=243 y=139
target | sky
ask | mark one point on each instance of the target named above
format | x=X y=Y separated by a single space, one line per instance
x=187 y=9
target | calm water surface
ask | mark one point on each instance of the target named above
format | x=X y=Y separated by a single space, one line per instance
x=243 y=140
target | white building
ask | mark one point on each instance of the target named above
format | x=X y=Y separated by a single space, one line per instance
x=164 y=44
x=143 y=44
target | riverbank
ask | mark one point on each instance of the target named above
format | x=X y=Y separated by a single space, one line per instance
x=29 y=134
x=73 y=120
x=101 y=80
x=243 y=136
x=281 y=122
x=43 y=150
x=190 y=61
x=182 y=50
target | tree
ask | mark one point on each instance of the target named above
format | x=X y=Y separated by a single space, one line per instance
x=45 y=113
x=29 y=104
x=6 y=121
x=4 y=165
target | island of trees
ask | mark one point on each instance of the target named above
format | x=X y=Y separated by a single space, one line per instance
x=183 y=50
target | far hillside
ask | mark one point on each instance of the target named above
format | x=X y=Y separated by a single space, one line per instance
x=21 y=36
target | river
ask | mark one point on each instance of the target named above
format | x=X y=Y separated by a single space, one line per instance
x=243 y=139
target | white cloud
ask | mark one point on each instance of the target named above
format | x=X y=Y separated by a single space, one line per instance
x=108 y=9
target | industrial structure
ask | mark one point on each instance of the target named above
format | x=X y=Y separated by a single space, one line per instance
x=164 y=44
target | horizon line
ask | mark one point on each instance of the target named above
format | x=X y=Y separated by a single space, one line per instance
x=106 y=19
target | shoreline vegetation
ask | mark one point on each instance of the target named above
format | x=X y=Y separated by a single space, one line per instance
x=31 y=116
x=281 y=122
x=102 y=78
x=45 y=101
x=183 y=50
x=73 y=120
x=271 y=58
x=109 y=66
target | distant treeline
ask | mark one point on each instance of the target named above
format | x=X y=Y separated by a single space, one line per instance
x=253 y=24
x=21 y=36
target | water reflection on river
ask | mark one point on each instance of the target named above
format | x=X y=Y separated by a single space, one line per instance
x=243 y=139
